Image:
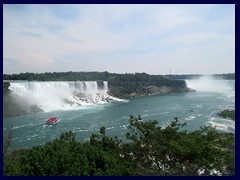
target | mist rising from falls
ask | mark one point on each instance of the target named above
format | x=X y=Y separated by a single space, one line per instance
x=211 y=84
x=62 y=95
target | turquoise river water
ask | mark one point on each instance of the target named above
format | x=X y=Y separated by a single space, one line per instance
x=196 y=109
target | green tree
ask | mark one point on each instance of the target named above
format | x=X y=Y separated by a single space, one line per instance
x=148 y=150
x=170 y=151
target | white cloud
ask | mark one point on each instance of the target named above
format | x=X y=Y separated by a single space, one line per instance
x=91 y=37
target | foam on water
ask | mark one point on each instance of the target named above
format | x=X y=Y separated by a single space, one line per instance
x=225 y=125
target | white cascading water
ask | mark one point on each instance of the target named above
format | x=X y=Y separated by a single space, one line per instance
x=62 y=95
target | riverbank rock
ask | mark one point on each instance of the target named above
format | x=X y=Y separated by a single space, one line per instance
x=147 y=91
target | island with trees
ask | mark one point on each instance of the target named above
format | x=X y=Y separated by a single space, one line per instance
x=227 y=114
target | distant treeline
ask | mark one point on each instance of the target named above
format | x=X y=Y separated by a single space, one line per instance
x=59 y=76
x=229 y=76
x=104 y=76
x=112 y=78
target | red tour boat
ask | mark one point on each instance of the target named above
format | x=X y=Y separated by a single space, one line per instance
x=52 y=120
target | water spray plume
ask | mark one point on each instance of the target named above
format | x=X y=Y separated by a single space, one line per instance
x=210 y=84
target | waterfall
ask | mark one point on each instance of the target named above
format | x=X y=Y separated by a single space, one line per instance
x=61 y=95
x=105 y=85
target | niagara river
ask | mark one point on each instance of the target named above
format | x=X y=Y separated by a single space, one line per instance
x=84 y=107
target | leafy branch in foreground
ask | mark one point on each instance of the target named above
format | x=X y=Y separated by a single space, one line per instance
x=10 y=156
x=172 y=152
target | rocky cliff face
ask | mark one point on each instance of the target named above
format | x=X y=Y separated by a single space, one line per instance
x=148 y=91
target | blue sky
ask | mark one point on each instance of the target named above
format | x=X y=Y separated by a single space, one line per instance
x=155 y=39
